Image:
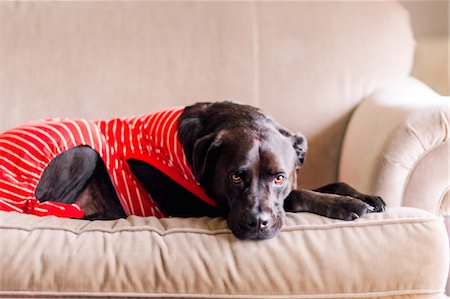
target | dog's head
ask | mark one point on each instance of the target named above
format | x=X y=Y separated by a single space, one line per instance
x=249 y=168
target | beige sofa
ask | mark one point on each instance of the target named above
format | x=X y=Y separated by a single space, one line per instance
x=336 y=71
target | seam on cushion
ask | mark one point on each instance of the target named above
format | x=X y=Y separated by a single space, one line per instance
x=355 y=224
x=21 y=294
x=411 y=170
x=416 y=220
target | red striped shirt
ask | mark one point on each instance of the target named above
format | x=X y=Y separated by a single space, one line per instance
x=26 y=151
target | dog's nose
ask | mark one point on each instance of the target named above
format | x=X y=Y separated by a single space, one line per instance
x=259 y=221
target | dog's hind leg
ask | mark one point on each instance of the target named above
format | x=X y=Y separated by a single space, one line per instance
x=346 y=190
x=79 y=174
x=67 y=175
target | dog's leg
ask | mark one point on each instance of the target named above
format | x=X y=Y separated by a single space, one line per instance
x=67 y=175
x=99 y=199
x=344 y=189
x=79 y=174
x=329 y=205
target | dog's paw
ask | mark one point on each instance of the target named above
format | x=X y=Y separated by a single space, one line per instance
x=376 y=202
x=349 y=208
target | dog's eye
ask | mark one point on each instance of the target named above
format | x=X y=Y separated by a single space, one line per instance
x=279 y=180
x=236 y=178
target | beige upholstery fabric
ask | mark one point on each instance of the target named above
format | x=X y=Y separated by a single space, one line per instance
x=444 y=204
x=397 y=146
x=306 y=63
x=400 y=254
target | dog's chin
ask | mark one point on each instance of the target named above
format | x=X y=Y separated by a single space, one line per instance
x=248 y=234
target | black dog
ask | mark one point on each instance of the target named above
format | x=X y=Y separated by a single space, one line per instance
x=245 y=161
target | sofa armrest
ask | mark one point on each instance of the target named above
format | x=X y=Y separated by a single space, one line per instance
x=397 y=146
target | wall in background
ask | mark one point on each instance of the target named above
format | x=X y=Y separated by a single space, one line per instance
x=429 y=18
x=430 y=22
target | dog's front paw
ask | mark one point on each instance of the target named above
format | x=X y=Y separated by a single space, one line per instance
x=349 y=208
x=376 y=202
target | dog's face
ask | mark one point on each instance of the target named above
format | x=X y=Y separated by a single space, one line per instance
x=250 y=172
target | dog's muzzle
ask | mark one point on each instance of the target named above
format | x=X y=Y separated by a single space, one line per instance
x=256 y=226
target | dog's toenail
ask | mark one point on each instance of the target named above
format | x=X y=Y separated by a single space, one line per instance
x=354 y=216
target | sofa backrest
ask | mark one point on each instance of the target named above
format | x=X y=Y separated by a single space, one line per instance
x=306 y=63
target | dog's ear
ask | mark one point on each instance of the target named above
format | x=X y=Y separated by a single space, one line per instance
x=206 y=150
x=299 y=142
x=300 y=145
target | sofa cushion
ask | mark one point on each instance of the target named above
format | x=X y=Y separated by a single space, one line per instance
x=402 y=253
